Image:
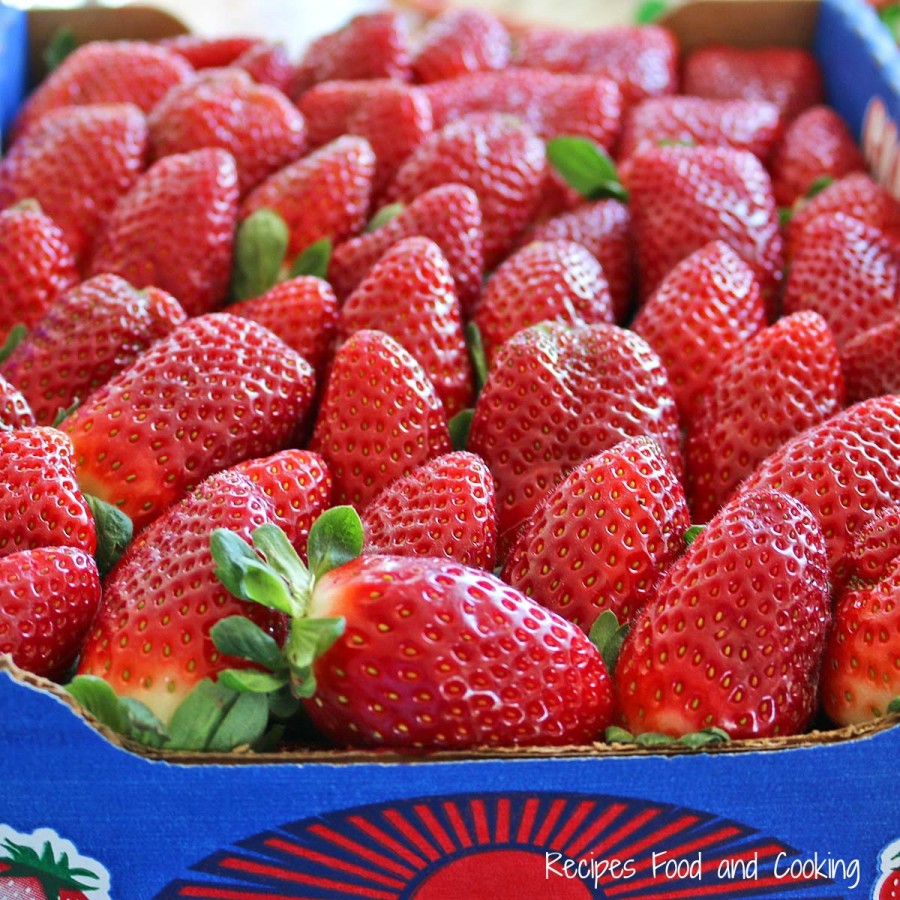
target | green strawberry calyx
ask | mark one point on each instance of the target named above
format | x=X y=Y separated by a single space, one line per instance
x=696 y=740
x=260 y=248
x=53 y=874
x=586 y=167
x=314 y=260
x=16 y=335
x=607 y=635
x=894 y=707
x=114 y=532
x=384 y=215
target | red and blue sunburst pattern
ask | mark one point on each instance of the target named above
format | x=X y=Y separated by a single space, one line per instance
x=505 y=846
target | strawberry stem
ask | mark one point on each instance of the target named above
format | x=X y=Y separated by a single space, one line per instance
x=259 y=251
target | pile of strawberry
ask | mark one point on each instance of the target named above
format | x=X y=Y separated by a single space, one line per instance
x=369 y=400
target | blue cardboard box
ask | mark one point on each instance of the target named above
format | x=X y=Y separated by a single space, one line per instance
x=13 y=64
x=816 y=816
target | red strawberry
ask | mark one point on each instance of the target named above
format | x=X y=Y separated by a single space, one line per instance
x=846 y=271
x=107 y=72
x=409 y=294
x=77 y=163
x=31 y=874
x=557 y=395
x=444 y=508
x=268 y=64
x=752 y=125
x=734 y=637
x=448 y=215
x=14 y=410
x=557 y=281
x=862 y=661
x=550 y=103
x=48 y=598
x=302 y=311
x=328 y=107
x=89 y=335
x=36 y=265
x=684 y=197
x=218 y=390
x=703 y=310
x=369 y=46
x=817 y=144
x=460 y=41
x=869 y=361
x=643 y=61
x=787 y=77
x=845 y=470
x=782 y=381
x=500 y=159
x=325 y=194
x=225 y=108
x=888 y=885
x=380 y=418
x=209 y=53
x=603 y=228
x=151 y=640
x=174 y=229
x=604 y=536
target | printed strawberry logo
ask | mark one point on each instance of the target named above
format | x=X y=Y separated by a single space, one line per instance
x=888 y=886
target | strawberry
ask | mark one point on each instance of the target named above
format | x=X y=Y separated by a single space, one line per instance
x=604 y=536
x=389 y=651
x=555 y=396
x=869 y=361
x=217 y=390
x=268 y=63
x=684 y=197
x=15 y=412
x=209 y=53
x=752 y=125
x=734 y=637
x=302 y=311
x=702 y=311
x=107 y=72
x=448 y=215
x=89 y=335
x=501 y=160
x=325 y=194
x=550 y=103
x=328 y=107
x=642 y=61
x=36 y=265
x=444 y=508
x=845 y=470
x=460 y=41
x=77 y=163
x=48 y=598
x=556 y=281
x=164 y=594
x=369 y=46
x=782 y=381
x=788 y=77
x=602 y=227
x=225 y=108
x=409 y=294
x=31 y=875
x=380 y=418
x=174 y=229
x=817 y=144
x=862 y=661
x=846 y=271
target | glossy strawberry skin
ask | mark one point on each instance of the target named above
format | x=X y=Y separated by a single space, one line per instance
x=846 y=271
x=444 y=508
x=225 y=108
x=752 y=125
x=268 y=63
x=782 y=381
x=15 y=413
x=555 y=396
x=461 y=41
x=151 y=638
x=379 y=419
x=325 y=194
x=90 y=334
x=449 y=215
x=787 y=77
x=48 y=597
x=702 y=311
x=869 y=362
x=604 y=536
x=553 y=281
x=174 y=229
x=409 y=294
x=735 y=635
x=36 y=266
x=218 y=390
x=77 y=163
x=209 y=53
x=684 y=197
x=439 y=656
x=501 y=160
x=328 y=107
